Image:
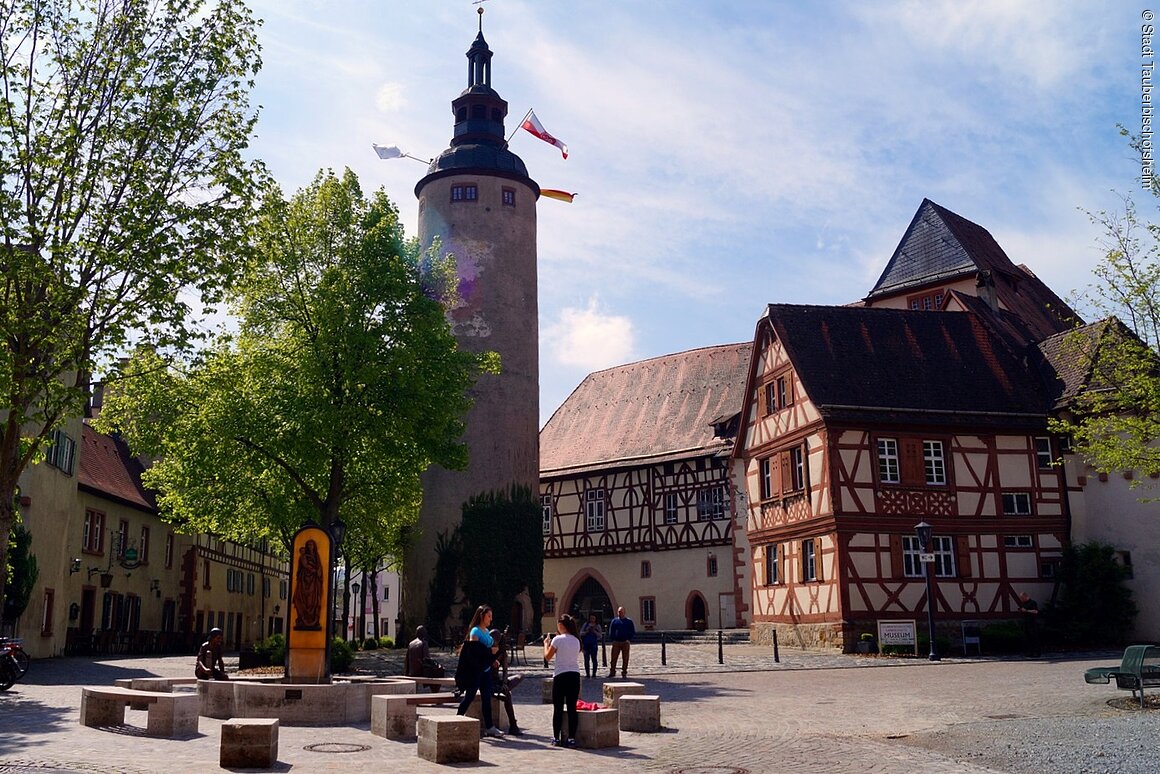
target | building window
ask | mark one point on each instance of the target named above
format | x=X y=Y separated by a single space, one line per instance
x=546 y=513
x=1043 y=456
x=594 y=508
x=648 y=611
x=283 y=589
x=122 y=543
x=549 y=604
x=386 y=593
x=143 y=552
x=265 y=587
x=509 y=197
x=711 y=566
x=93 y=541
x=62 y=452
x=646 y=569
x=933 y=464
x=49 y=612
x=771 y=573
x=671 y=503
x=888 y=461
x=784 y=393
x=1047 y=570
x=1124 y=559
x=711 y=503
x=766 y=478
x=797 y=468
x=1016 y=503
x=169 y=550
x=250 y=584
x=944 y=556
x=466 y=192
x=770 y=393
x=809 y=561
x=1018 y=541
x=205 y=574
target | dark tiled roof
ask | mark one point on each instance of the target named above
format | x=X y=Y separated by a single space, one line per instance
x=876 y=364
x=942 y=246
x=1065 y=360
x=106 y=468
x=645 y=412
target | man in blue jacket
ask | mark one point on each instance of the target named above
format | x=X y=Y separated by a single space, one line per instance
x=620 y=631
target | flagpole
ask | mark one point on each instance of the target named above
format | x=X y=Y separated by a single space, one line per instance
x=521 y=123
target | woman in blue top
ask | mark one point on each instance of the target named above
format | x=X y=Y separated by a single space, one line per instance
x=479 y=658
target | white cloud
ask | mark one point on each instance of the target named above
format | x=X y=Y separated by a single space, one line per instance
x=389 y=98
x=589 y=338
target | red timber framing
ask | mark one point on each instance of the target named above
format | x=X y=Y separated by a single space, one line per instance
x=836 y=552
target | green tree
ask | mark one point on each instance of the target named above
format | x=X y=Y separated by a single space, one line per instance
x=503 y=550
x=1095 y=607
x=122 y=184
x=1114 y=416
x=23 y=572
x=342 y=384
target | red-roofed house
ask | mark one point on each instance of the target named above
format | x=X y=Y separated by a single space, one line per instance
x=638 y=495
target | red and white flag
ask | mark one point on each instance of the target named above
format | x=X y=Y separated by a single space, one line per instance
x=533 y=125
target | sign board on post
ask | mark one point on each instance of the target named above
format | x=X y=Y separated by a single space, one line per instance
x=898 y=633
x=925 y=558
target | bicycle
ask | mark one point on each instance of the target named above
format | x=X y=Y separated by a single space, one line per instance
x=13 y=662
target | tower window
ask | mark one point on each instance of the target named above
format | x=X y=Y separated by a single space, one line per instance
x=509 y=197
x=464 y=193
x=461 y=115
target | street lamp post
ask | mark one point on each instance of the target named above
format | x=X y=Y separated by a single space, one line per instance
x=926 y=555
x=356 y=623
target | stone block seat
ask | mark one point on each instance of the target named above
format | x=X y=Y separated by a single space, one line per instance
x=598 y=728
x=448 y=739
x=249 y=743
x=395 y=716
x=170 y=714
x=639 y=712
x=614 y=690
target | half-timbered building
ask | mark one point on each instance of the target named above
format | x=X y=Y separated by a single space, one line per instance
x=920 y=405
x=638 y=494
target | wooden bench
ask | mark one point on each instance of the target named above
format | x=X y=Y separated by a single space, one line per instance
x=1139 y=669
x=152 y=684
x=170 y=714
x=434 y=683
x=394 y=716
x=249 y=743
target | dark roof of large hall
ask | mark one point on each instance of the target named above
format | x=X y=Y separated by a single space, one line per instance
x=648 y=411
x=942 y=246
x=106 y=468
x=895 y=365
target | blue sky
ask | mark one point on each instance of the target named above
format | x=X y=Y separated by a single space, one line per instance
x=726 y=155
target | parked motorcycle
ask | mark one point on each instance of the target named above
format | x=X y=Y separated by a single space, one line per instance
x=13 y=662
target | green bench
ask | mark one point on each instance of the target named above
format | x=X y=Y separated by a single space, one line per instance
x=1138 y=669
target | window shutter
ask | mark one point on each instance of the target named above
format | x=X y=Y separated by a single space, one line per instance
x=786 y=472
x=896 y=568
x=789 y=394
x=911 y=464
x=775 y=467
x=963 y=556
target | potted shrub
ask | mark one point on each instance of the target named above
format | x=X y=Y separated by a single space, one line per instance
x=699 y=624
x=866 y=644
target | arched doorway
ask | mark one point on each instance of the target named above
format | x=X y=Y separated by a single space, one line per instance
x=697 y=612
x=591 y=598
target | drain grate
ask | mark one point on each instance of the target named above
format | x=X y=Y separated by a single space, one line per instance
x=712 y=770
x=336 y=747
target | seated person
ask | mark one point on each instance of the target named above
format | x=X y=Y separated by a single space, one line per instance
x=210 y=665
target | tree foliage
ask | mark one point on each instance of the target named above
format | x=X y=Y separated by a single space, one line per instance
x=1095 y=607
x=23 y=571
x=1114 y=418
x=342 y=384
x=122 y=184
x=503 y=550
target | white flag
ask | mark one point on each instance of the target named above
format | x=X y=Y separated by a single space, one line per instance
x=387 y=151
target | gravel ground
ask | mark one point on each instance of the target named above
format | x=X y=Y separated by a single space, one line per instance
x=1120 y=742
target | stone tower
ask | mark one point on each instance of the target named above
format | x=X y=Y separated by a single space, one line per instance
x=478 y=199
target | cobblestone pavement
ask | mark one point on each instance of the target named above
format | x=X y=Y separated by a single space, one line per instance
x=810 y=712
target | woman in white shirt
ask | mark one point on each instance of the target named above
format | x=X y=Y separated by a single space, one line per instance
x=565 y=647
